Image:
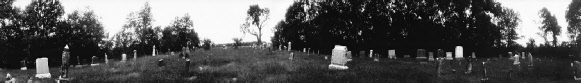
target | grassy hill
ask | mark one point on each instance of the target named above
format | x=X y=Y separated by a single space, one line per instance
x=254 y=65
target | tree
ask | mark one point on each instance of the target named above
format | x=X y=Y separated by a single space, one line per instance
x=549 y=24
x=237 y=42
x=256 y=16
x=180 y=33
x=573 y=17
x=206 y=44
x=84 y=34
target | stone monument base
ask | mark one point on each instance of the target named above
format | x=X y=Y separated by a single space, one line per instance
x=337 y=67
x=45 y=75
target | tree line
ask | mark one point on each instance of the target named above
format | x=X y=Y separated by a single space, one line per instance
x=42 y=29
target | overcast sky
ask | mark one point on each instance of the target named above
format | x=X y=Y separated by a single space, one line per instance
x=219 y=20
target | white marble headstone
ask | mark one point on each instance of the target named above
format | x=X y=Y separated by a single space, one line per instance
x=153 y=53
x=391 y=54
x=289 y=46
x=134 y=54
x=123 y=57
x=459 y=52
x=42 y=70
x=339 y=55
x=516 y=59
x=106 y=59
x=449 y=56
x=430 y=56
x=370 y=53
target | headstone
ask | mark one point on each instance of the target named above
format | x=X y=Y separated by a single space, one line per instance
x=430 y=56
x=153 y=51
x=339 y=59
x=106 y=59
x=42 y=70
x=65 y=62
x=123 y=57
x=459 y=52
x=289 y=46
x=349 y=55
x=406 y=56
x=421 y=54
x=23 y=64
x=362 y=53
x=304 y=49
x=160 y=63
x=531 y=60
x=134 y=54
x=473 y=55
x=370 y=53
x=93 y=61
x=391 y=54
x=576 y=65
x=291 y=57
x=523 y=55
x=449 y=56
x=516 y=59
x=441 y=53
x=279 y=47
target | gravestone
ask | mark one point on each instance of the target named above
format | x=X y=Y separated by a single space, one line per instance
x=421 y=54
x=23 y=64
x=449 y=56
x=123 y=57
x=134 y=54
x=576 y=66
x=42 y=70
x=289 y=46
x=106 y=59
x=473 y=55
x=370 y=53
x=339 y=58
x=153 y=51
x=459 y=52
x=430 y=56
x=391 y=54
x=349 y=55
x=441 y=53
x=304 y=49
x=510 y=54
x=516 y=59
x=93 y=61
x=523 y=55
x=279 y=47
x=291 y=57
x=531 y=60
x=160 y=63
x=65 y=62
x=361 y=53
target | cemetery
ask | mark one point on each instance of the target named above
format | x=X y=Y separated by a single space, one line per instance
x=256 y=65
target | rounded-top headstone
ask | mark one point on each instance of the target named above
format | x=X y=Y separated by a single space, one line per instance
x=459 y=52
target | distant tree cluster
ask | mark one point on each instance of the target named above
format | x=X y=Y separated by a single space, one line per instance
x=481 y=26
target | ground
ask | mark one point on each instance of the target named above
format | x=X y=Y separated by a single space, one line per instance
x=254 y=65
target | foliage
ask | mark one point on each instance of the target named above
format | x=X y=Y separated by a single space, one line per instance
x=550 y=24
x=207 y=44
x=256 y=16
x=237 y=42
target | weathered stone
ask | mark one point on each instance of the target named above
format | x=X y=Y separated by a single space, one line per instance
x=459 y=52
x=421 y=54
x=42 y=70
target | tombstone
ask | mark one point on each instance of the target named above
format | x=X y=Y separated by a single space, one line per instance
x=449 y=56
x=134 y=54
x=23 y=64
x=391 y=54
x=473 y=55
x=289 y=46
x=459 y=52
x=430 y=56
x=576 y=65
x=349 y=55
x=160 y=63
x=370 y=53
x=42 y=70
x=441 y=53
x=531 y=59
x=406 y=56
x=123 y=57
x=65 y=62
x=516 y=59
x=421 y=54
x=523 y=55
x=339 y=58
x=362 y=53
x=279 y=47
x=510 y=54
x=106 y=59
x=93 y=61
x=153 y=51
x=292 y=56
x=469 y=65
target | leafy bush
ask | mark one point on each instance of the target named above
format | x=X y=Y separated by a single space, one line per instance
x=207 y=43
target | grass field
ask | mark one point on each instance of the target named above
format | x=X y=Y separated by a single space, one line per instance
x=252 y=65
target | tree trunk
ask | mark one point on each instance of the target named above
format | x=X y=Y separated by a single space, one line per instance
x=554 y=40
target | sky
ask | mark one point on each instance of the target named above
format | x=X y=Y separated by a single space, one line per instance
x=217 y=20
x=530 y=19
x=220 y=20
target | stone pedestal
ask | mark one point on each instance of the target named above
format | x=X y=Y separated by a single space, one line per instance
x=42 y=70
